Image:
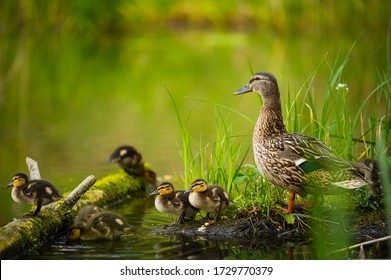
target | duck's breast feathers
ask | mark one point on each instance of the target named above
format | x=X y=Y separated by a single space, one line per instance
x=19 y=196
x=173 y=203
x=184 y=197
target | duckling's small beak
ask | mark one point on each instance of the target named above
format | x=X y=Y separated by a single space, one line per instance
x=9 y=185
x=243 y=90
x=154 y=193
x=114 y=158
x=189 y=190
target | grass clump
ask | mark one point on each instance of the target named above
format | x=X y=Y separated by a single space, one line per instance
x=218 y=162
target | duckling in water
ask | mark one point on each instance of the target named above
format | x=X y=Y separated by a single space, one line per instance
x=85 y=215
x=35 y=192
x=130 y=160
x=208 y=198
x=173 y=202
x=93 y=223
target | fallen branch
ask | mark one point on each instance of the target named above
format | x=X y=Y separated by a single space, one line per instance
x=33 y=168
x=82 y=188
x=363 y=244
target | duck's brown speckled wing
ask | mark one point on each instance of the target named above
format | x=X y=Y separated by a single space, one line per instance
x=311 y=154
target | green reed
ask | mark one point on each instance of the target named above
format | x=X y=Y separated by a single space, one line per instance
x=218 y=162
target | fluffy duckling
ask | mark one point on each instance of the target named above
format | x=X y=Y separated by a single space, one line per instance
x=208 y=198
x=173 y=202
x=130 y=160
x=93 y=223
x=85 y=215
x=35 y=192
x=369 y=168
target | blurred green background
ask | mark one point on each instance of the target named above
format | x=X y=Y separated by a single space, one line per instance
x=79 y=78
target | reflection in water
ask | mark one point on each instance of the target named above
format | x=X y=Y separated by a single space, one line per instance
x=181 y=247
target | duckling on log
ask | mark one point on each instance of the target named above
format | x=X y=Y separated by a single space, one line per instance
x=35 y=192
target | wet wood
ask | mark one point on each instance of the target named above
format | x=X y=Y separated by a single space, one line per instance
x=30 y=233
x=81 y=189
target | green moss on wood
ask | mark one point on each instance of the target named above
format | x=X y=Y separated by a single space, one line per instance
x=113 y=188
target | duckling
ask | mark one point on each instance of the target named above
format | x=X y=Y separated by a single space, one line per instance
x=93 y=223
x=130 y=160
x=85 y=215
x=369 y=168
x=35 y=192
x=296 y=162
x=208 y=198
x=173 y=202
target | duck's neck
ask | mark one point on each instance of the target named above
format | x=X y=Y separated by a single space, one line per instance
x=270 y=122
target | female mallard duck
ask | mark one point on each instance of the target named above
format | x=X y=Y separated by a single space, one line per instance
x=94 y=223
x=130 y=160
x=296 y=162
x=36 y=192
x=208 y=198
x=173 y=202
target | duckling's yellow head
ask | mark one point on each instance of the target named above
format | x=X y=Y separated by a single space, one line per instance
x=198 y=185
x=18 y=180
x=74 y=234
x=164 y=188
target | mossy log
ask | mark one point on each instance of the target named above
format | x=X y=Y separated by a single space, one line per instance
x=30 y=233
